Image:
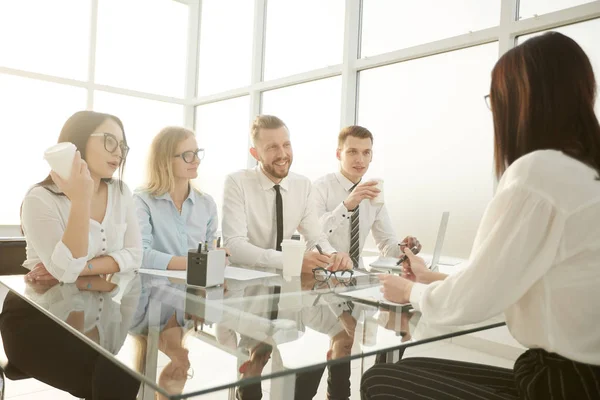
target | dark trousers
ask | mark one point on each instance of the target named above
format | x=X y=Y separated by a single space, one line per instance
x=307 y=384
x=537 y=375
x=42 y=349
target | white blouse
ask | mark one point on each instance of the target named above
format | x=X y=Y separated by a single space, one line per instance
x=111 y=313
x=44 y=217
x=536 y=257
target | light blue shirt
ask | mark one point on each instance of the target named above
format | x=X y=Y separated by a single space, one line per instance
x=166 y=233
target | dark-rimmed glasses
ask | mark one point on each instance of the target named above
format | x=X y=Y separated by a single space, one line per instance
x=488 y=101
x=342 y=276
x=190 y=156
x=111 y=143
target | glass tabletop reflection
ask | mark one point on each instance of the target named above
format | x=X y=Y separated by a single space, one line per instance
x=184 y=341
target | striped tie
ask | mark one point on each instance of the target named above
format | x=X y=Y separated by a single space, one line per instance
x=355 y=234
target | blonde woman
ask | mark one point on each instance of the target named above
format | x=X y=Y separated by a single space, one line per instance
x=174 y=216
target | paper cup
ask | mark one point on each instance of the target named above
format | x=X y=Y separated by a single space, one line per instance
x=379 y=199
x=60 y=158
x=293 y=255
x=370 y=327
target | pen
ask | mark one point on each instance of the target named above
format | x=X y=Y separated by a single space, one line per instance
x=320 y=249
x=219 y=242
x=415 y=250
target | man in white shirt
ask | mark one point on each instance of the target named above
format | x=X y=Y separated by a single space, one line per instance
x=266 y=204
x=343 y=201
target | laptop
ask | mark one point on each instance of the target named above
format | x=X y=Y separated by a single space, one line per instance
x=389 y=263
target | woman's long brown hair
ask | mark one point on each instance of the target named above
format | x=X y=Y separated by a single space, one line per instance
x=542 y=96
x=77 y=130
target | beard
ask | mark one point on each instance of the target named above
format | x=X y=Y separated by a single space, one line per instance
x=274 y=170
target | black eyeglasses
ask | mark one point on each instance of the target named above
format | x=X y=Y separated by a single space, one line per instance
x=342 y=276
x=488 y=102
x=190 y=156
x=321 y=288
x=111 y=143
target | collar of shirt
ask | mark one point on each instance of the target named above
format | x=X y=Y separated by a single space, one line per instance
x=267 y=183
x=191 y=196
x=346 y=183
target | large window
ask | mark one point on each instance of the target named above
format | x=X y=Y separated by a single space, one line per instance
x=222 y=129
x=433 y=136
x=312 y=113
x=142 y=120
x=413 y=72
x=532 y=8
x=225 y=45
x=389 y=25
x=33 y=113
x=142 y=45
x=41 y=36
x=303 y=35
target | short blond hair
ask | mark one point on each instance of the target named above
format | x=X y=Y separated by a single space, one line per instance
x=160 y=177
x=264 y=122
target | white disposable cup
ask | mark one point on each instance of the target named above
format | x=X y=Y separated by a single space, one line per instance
x=370 y=327
x=60 y=158
x=379 y=199
x=293 y=255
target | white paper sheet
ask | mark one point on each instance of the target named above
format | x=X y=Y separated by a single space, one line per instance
x=372 y=294
x=243 y=274
x=238 y=274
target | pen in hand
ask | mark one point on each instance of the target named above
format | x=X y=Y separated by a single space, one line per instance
x=318 y=246
x=415 y=250
x=320 y=249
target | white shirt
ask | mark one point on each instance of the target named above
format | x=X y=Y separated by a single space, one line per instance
x=44 y=217
x=101 y=310
x=330 y=192
x=249 y=217
x=536 y=257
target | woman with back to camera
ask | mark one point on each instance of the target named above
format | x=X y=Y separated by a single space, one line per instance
x=536 y=254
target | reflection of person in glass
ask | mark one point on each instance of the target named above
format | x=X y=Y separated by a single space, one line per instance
x=320 y=313
x=100 y=309
x=173 y=327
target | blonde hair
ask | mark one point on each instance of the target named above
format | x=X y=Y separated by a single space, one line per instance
x=160 y=168
x=264 y=122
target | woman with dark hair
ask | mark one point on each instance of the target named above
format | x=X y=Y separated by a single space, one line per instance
x=536 y=253
x=86 y=224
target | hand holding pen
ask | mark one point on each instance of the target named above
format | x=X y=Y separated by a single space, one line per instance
x=411 y=242
x=404 y=257
x=337 y=261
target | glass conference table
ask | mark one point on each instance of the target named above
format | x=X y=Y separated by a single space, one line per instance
x=258 y=334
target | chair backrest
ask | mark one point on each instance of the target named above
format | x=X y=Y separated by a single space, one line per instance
x=12 y=256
